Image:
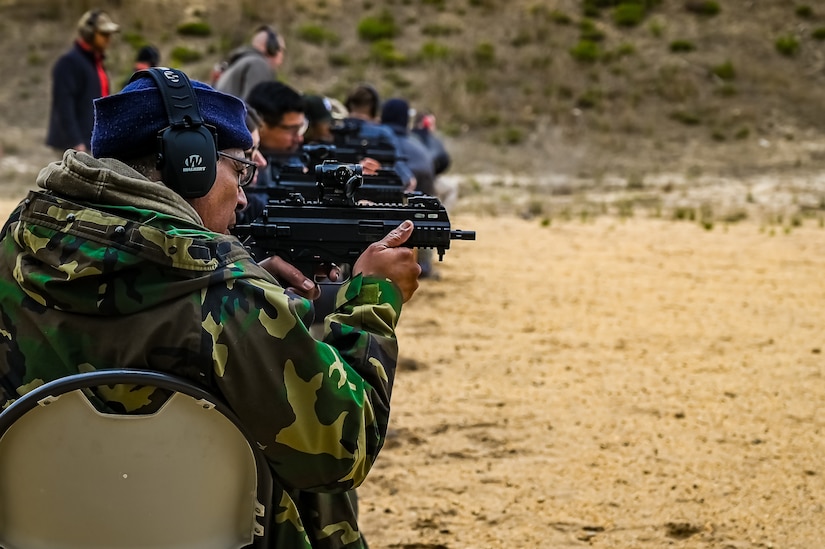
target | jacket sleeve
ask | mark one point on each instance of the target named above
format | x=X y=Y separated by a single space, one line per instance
x=441 y=158
x=319 y=409
x=66 y=89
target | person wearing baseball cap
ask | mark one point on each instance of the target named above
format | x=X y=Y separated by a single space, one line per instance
x=123 y=258
x=78 y=78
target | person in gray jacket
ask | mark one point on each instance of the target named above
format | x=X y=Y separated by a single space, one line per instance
x=250 y=65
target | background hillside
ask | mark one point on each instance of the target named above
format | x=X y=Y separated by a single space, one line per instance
x=541 y=88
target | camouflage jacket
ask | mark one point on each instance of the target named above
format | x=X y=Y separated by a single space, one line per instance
x=103 y=268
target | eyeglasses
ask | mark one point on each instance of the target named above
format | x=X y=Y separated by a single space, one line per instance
x=245 y=174
x=296 y=129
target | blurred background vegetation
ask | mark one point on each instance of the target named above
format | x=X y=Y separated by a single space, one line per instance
x=581 y=87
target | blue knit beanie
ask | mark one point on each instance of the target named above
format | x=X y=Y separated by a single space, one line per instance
x=396 y=113
x=127 y=123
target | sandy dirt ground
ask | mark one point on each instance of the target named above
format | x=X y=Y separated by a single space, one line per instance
x=628 y=384
x=631 y=383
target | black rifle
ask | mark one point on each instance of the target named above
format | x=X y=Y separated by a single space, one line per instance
x=354 y=141
x=288 y=177
x=335 y=228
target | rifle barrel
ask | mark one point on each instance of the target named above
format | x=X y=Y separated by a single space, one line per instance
x=462 y=235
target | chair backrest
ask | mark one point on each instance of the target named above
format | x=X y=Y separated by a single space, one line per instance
x=73 y=477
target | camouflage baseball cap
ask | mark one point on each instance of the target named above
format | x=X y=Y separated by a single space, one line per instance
x=97 y=21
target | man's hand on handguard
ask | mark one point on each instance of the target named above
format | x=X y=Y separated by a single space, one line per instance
x=369 y=166
x=387 y=258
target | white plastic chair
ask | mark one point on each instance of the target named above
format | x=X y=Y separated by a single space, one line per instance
x=183 y=477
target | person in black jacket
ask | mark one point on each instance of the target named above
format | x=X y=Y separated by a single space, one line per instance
x=78 y=78
x=395 y=113
x=425 y=131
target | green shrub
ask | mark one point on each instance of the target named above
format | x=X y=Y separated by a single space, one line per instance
x=195 y=28
x=433 y=51
x=35 y=58
x=706 y=8
x=625 y=49
x=384 y=53
x=735 y=216
x=629 y=14
x=656 y=29
x=317 y=34
x=301 y=69
x=787 y=45
x=181 y=55
x=681 y=46
x=593 y=8
x=725 y=71
x=589 y=99
x=687 y=118
x=565 y=92
x=485 y=54
x=805 y=12
x=624 y=207
x=560 y=18
x=586 y=51
x=489 y=119
x=339 y=59
x=509 y=136
x=521 y=39
x=648 y=4
x=372 y=29
x=534 y=208
x=684 y=213
x=434 y=29
x=589 y=31
x=398 y=80
x=818 y=33
x=590 y=10
x=476 y=85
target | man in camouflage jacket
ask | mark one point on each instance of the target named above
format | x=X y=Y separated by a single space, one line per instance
x=104 y=267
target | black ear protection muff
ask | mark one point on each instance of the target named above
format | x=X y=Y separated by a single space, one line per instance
x=375 y=99
x=273 y=44
x=187 y=149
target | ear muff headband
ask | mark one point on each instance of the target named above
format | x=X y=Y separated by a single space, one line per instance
x=375 y=99
x=87 y=32
x=273 y=45
x=187 y=149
